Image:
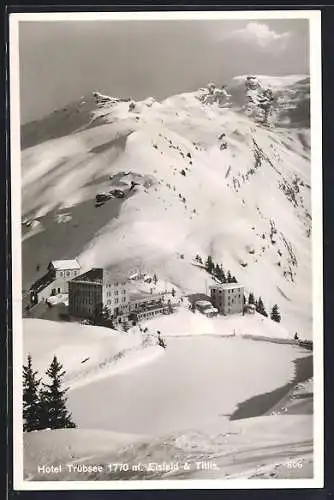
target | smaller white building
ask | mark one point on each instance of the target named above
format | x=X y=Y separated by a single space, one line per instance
x=55 y=280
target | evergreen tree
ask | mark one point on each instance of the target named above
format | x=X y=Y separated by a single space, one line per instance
x=222 y=275
x=31 y=400
x=234 y=279
x=275 y=314
x=229 y=277
x=53 y=397
x=217 y=271
x=155 y=279
x=251 y=298
x=209 y=265
x=260 y=307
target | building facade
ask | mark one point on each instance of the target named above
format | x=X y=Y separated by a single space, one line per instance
x=55 y=280
x=146 y=306
x=95 y=290
x=228 y=298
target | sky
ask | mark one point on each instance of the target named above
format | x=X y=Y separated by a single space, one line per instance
x=60 y=61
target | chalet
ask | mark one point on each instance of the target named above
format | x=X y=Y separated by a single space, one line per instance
x=55 y=280
x=228 y=298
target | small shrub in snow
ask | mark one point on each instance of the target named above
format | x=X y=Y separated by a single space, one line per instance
x=183 y=172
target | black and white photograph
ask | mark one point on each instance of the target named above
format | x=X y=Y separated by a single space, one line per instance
x=166 y=195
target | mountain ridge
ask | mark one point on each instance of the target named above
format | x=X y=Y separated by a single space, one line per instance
x=202 y=169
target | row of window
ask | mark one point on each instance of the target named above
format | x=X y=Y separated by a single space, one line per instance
x=115 y=292
x=116 y=301
x=83 y=301
x=67 y=273
x=150 y=314
x=231 y=290
x=109 y=285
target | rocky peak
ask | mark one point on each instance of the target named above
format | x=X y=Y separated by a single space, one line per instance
x=211 y=94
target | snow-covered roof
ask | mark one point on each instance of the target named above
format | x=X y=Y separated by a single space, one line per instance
x=59 y=265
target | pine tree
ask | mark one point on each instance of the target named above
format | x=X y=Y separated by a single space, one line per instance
x=260 y=307
x=222 y=275
x=234 y=279
x=31 y=400
x=155 y=279
x=229 y=277
x=53 y=398
x=209 y=265
x=251 y=298
x=217 y=271
x=275 y=314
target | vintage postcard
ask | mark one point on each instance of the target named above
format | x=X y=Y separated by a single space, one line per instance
x=166 y=195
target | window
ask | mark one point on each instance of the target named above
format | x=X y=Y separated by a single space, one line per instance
x=123 y=299
x=58 y=290
x=75 y=273
x=108 y=294
x=108 y=302
x=123 y=291
x=68 y=273
x=116 y=284
x=116 y=292
x=61 y=273
x=116 y=301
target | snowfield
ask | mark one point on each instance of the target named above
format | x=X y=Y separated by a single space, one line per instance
x=263 y=447
x=197 y=198
x=151 y=390
x=208 y=181
x=170 y=407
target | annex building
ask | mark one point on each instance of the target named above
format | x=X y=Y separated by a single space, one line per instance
x=55 y=280
x=228 y=298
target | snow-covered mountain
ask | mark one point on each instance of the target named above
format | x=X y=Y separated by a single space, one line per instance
x=211 y=180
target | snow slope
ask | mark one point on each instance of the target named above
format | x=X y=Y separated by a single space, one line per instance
x=246 y=204
x=151 y=390
x=88 y=353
